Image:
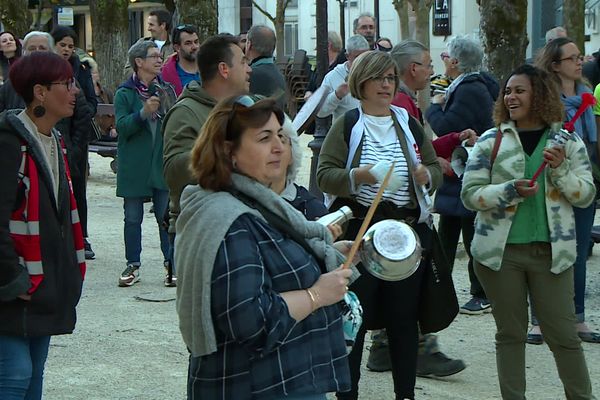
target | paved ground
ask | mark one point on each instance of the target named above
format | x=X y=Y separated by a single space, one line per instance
x=127 y=344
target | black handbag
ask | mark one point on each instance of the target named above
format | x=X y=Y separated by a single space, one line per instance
x=438 y=305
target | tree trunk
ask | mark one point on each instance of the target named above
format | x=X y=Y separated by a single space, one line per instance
x=15 y=16
x=422 y=10
x=574 y=21
x=503 y=30
x=401 y=7
x=110 y=35
x=322 y=55
x=203 y=14
x=279 y=24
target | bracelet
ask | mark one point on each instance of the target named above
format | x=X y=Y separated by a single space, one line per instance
x=313 y=299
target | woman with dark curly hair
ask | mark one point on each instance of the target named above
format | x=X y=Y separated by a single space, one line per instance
x=563 y=62
x=10 y=51
x=524 y=239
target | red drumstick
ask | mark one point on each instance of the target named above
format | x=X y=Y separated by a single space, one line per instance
x=587 y=100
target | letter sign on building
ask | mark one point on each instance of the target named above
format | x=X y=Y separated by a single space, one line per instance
x=441 y=18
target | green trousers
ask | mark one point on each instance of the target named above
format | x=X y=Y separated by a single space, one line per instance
x=526 y=269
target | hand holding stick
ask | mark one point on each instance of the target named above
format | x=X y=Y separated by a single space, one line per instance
x=368 y=217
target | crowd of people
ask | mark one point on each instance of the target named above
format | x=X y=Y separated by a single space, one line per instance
x=264 y=295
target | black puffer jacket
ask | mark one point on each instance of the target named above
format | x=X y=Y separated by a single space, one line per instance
x=51 y=310
x=468 y=106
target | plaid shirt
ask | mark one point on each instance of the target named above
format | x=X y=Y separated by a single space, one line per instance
x=262 y=352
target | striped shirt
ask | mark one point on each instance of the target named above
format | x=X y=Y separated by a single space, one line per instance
x=380 y=143
x=262 y=352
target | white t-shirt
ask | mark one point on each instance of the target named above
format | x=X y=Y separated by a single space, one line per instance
x=381 y=143
x=160 y=43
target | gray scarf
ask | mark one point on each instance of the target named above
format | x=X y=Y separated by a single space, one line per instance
x=204 y=221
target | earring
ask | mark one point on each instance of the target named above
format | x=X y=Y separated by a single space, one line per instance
x=39 y=111
x=234 y=164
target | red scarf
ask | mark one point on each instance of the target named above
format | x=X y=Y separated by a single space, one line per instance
x=25 y=220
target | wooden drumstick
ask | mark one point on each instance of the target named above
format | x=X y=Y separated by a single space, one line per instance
x=368 y=217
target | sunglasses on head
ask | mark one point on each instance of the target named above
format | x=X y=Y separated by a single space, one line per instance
x=240 y=101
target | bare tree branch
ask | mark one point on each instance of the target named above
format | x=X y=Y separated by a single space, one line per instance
x=264 y=12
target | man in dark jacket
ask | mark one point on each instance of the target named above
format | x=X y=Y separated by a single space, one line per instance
x=266 y=79
x=224 y=72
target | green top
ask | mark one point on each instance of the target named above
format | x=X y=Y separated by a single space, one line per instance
x=531 y=220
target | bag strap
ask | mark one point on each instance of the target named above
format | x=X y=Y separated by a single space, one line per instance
x=278 y=223
x=497 y=141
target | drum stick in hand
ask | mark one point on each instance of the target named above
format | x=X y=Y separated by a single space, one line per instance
x=368 y=217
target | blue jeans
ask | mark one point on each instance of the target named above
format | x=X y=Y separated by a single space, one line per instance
x=22 y=367
x=134 y=215
x=584 y=220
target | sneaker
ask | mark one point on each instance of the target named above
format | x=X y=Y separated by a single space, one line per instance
x=379 y=358
x=438 y=365
x=170 y=279
x=476 y=306
x=130 y=275
x=89 y=253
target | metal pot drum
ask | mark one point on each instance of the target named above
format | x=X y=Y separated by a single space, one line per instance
x=391 y=250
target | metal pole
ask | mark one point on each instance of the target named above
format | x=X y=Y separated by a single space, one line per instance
x=322 y=65
x=343 y=21
x=376 y=11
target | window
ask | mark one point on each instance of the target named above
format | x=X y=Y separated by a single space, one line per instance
x=290 y=33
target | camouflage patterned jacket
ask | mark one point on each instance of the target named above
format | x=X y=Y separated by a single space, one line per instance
x=493 y=195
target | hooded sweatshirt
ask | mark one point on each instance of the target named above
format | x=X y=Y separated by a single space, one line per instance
x=180 y=129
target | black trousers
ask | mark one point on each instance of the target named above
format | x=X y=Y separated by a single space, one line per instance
x=79 y=180
x=393 y=306
x=449 y=229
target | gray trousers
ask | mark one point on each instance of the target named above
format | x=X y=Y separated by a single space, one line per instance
x=526 y=269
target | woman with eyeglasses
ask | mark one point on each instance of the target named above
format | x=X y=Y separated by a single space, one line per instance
x=257 y=313
x=356 y=154
x=140 y=104
x=42 y=262
x=563 y=62
x=525 y=231
x=467 y=104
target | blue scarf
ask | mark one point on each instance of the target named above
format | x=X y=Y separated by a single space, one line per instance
x=585 y=126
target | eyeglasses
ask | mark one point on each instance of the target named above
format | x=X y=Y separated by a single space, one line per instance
x=155 y=56
x=391 y=79
x=574 y=58
x=240 y=101
x=430 y=66
x=70 y=84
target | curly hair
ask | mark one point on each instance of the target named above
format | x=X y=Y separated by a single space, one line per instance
x=545 y=97
x=210 y=163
